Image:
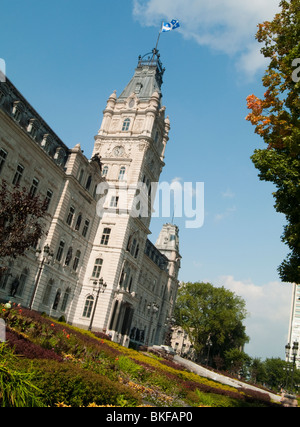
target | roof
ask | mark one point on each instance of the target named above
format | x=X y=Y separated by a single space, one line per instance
x=147 y=79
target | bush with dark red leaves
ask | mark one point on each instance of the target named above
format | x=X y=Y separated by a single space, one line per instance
x=28 y=349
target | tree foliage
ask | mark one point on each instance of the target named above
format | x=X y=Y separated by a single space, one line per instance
x=20 y=220
x=276 y=120
x=211 y=315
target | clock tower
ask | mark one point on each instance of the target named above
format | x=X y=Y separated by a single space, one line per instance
x=131 y=144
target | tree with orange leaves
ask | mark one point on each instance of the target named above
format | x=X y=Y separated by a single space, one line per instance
x=276 y=118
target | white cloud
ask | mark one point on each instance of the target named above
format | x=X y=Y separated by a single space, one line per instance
x=229 y=211
x=227 y=26
x=269 y=313
x=228 y=194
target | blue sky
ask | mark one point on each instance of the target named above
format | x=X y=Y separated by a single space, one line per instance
x=67 y=56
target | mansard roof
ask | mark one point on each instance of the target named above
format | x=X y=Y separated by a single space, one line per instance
x=147 y=79
x=18 y=108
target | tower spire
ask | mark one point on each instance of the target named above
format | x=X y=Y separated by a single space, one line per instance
x=147 y=79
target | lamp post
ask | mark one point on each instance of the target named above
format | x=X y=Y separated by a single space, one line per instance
x=291 y=366
x=170 y=321
x=208 y=344
x=152 y=309
x=98 y=286
x=47 y=253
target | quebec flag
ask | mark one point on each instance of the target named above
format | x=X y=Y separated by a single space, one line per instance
x=168 y=26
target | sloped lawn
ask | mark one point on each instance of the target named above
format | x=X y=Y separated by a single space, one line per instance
x=60 y=365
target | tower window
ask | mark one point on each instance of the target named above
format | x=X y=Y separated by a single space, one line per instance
x=60 y=250
x=105 y=236
x=114 y=202
x=122 y=173
x=76 y=260
x=85 y=227
x=89 y=302
x=105 y=171
x=126 y=125
x=78 y=222
x=81 y=176
x=88 y=182
x=97 y=268
x=69 y=256
x=70 y=215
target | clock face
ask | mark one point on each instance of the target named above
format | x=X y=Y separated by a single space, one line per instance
x=118 y=151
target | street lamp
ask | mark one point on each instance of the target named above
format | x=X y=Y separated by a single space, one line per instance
x=152 y=309
x=291 y=368
x=98 y=286
x=47 y=253
x=209 y=345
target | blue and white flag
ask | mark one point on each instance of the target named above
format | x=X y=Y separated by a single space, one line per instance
x=168 y=26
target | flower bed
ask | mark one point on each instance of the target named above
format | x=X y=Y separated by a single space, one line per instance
x=80 y=368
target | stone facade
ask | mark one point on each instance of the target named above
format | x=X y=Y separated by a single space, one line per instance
x=99 y=214
x=294 y=327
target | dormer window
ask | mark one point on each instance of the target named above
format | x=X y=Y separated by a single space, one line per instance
x=138 y=87
x=33 y=127
x=17 y=110
x=126 y=125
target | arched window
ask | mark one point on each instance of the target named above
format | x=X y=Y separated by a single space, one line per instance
x=97 y=268
x=89 y=302
x=133 y=247
x=23 y=279
x=76 y=260
x=47 y=292
x=126 y=125
x=56 y=299
x=65 y=299
x=69 y=256
x=80 y=176
x=88 y=182
x=122 y=173
x=60 y=250
x=4 y=276
x=105 y=236
x=78 y=222
x=137 y=251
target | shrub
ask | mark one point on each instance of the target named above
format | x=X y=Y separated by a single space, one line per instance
x=128 y=367
x=76 y=386
x=16 y=388
x=27 y=348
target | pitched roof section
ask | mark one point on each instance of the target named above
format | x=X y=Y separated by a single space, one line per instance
x=147 y=79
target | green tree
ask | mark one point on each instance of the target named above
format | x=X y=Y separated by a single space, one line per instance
x=276 y=119
x=212 y=317
x=257 y=371
x=237 y=362
x=276 y=373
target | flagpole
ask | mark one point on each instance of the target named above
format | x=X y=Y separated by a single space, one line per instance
x=159 y=36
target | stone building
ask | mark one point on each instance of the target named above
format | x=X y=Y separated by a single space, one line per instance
x=294 y=326
x=99 y=214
